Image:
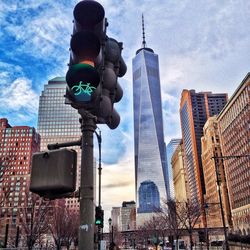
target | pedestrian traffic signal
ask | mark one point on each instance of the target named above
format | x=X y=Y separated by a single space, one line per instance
x=99 y=213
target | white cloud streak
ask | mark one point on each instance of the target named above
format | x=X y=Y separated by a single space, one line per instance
x=19 y=94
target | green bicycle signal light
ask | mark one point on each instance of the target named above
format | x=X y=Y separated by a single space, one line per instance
x=82 y=79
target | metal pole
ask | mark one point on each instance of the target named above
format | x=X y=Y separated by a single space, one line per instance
x=99 y=139
x=206 y=226
x=221 y=205
x=17 y=237
x=86 y=232
x=112 y=229
x=6 y=236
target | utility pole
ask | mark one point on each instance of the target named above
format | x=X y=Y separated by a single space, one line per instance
x=216 y=158
x=100 y=226
x=220 y=201
x=86 y=232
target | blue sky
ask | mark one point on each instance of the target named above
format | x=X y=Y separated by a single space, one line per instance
x=202 y=45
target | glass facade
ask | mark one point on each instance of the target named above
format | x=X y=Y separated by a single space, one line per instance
x=171 y=147
x=150 y=156
x=58 y=122
x=189 y=159
x=195 y=109
x=149 y=198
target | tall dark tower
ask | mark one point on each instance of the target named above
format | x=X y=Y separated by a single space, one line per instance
x=149 y=144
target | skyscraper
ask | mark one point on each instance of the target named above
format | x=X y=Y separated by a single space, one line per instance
x=195 y=109
x=171 y=147
x=17 y=144
x=150 y=156
x=58 y=122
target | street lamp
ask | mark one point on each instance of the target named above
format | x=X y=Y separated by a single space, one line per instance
x=216 y=158
x=111 y=238
x=206 y=214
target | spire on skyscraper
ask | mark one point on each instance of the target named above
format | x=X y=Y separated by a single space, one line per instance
x=143 y=33
x=144 y=45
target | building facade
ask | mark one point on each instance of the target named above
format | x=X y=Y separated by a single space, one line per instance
x=179 y=174
x=17 y=144
x=234 y=127
x=214 y=176
x=150 y=156
x=124 y=217
x=171 y=147
x=195 y=109
x=58 y=122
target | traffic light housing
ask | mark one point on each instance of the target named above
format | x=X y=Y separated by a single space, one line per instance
x=83 y=76
x=95 y=64
x=114 y=67
x=53 y=173
x=99 y=213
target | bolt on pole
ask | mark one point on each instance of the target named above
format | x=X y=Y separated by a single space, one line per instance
x=87 y=225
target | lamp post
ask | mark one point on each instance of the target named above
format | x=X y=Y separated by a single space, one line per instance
x=206 y=214
x=220 y=199
x=111 y=233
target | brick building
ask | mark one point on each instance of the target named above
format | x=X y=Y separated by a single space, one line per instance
x=234 y=126
x=214 y=174
x=17 y=144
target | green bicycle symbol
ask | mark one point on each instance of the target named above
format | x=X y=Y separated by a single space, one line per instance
x=83 y=88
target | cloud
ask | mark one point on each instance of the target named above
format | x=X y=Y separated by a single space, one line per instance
x=118 y=176
x=19 y=96
x=117 y=185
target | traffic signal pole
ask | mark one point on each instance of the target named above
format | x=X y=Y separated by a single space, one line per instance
x=87 y=225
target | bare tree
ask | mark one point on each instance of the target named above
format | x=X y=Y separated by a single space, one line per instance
x=64 y=226
x=153 y=230
x=5 y=207
x=4 y=189
x=34 y=218
x=189 y=213
x=170 y=213
x=142 y=237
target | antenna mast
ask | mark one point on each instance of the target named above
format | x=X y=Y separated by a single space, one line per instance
x=143 y=33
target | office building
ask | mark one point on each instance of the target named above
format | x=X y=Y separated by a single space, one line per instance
x=124 y=217
x=171 y=147
x=150 y=154
x=195 y=109
x=214 y=176
x=116 y=218
x=17 y=144
x=234 y=127
x=128 y=215
x=58 y=122
x=179 y=174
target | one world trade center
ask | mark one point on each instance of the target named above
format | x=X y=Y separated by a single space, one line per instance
x=150 y=154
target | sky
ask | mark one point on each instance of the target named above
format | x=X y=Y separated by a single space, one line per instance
x=202 y=45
